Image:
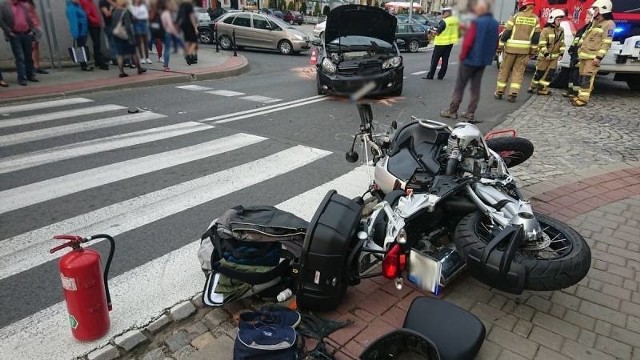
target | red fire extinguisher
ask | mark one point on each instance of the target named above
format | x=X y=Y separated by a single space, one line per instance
x=85 y=287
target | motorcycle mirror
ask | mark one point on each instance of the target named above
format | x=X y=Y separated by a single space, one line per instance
x=366 y=114
x=394 y=125
x=351 y=156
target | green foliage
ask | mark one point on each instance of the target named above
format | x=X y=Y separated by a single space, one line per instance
x=303 y=8
x=291 y=6
x=272 y=4
x=316 y=9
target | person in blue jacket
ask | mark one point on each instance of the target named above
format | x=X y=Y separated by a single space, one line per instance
x=478 y=49
x=79 y=27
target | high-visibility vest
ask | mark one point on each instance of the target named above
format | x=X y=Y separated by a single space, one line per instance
x=450 y=34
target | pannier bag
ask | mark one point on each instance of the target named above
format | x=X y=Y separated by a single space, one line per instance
x=248 y=250
x=325 y=271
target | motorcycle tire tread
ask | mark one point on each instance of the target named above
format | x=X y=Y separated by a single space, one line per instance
x=541 y=275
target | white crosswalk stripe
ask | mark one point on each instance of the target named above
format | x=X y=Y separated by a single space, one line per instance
x=227 y=93
x=42 y=105
x=260 y=99
x=194 y=87
x=174 y=274
x=58 y=115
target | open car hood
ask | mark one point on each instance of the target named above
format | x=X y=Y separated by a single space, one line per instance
x=360 y=20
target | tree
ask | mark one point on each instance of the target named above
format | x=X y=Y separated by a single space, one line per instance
x=291 y=6
x=316 y=9
x=303 y=8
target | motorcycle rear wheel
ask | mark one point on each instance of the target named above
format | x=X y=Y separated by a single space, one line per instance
x=563 y=263
x=513 y=150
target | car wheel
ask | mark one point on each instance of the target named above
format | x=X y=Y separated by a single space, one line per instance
x=225 y=42
x=414 y=45
x=285 y=47
x=206 y=38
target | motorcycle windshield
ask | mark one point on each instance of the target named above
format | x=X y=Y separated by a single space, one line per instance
x=414 y=145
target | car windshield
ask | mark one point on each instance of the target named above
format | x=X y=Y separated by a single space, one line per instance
x=356 y=41
x=279 y=22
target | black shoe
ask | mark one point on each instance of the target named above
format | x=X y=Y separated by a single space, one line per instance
x=22 y=82
x=103 y=67
x=428 y=77
x=41 y=71
x=188 y=59
x=33 y=79
x=87 y=68
x=123 y=75
x=141 y=70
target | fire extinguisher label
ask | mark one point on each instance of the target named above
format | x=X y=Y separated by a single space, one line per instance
x=73 y=322
x=68 y=283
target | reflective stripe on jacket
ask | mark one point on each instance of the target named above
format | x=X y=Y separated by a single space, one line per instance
x=521 y=27
x=597 y=40
x=450 y=35
x=551 y=42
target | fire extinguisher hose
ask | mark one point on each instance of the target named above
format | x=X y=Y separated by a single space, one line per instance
x=108 y=263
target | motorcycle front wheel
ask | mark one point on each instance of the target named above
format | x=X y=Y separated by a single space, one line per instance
x=513 y=150
x=562 y=263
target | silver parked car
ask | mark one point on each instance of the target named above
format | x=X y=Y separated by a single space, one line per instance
x=260 y=31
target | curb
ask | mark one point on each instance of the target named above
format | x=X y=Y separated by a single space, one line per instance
x=173 y=79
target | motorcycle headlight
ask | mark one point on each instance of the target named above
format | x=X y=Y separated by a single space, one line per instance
x=297 y=37
x=328 y=66
x=393 y=62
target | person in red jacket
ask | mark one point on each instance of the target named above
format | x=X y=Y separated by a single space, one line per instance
x=95 y=30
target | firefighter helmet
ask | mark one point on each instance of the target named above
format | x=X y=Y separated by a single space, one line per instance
x=524 y=3
x=557 y=13
x=604 y=6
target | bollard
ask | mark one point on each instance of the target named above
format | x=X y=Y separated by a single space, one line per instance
x=215 y=36
x=235 y=48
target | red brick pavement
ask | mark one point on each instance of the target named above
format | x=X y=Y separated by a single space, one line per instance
x=376 y=306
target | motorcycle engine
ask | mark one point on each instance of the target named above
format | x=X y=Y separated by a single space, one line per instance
x=467 y=145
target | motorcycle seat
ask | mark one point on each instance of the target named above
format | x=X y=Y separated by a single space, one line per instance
x=433 y=330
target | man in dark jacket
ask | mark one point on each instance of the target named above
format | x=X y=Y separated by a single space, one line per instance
x=19 y=30
x=478 y=49
x=95 y=31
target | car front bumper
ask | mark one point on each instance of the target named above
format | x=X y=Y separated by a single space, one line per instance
x=299 y=45
x=386 y=82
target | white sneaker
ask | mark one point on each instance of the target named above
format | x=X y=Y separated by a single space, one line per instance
x=148 y=61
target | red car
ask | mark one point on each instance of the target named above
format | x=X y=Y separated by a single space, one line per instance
x=293 y=17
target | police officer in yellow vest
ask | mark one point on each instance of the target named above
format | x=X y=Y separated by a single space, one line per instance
x=447 y=35
x=518 y=41
x=596 y=41
x=550 y=49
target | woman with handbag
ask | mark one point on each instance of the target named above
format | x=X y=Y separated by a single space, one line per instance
x=79 y=27
x=189 y=26
x=37 y=35
x=124 y=37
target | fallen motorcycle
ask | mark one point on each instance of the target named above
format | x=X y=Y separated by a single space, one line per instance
x=446 y=202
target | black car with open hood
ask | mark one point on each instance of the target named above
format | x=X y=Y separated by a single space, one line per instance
x=359 y=46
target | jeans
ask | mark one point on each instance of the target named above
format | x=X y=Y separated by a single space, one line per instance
x=94 y=32
x=21 y=48
x=167 y=45
x=467 y=74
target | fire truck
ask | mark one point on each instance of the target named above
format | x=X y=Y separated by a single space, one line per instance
x=623 y=59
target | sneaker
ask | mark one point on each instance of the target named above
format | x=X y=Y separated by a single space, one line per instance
x=33 y=79
x=148 y=61
x=41 y=71
x=123 y=75
x=448 y=114
x=468 y=116
x=273 y=316
x=166 y=68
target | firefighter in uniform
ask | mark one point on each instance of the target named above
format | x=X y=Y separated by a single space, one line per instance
x=596 y=41
x=518 y=41
x=550 y=49
x=447 y=35
x=574 y=76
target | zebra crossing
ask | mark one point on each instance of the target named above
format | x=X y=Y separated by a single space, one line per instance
x=154 y=188
x=229 y=93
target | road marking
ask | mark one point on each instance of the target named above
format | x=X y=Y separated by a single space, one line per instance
x=135 y=305
x=58 y=115
x=227 y=93
x=24 y=161
x=42 y=105
x=194 y=87
x=34 y=193
x=219 y=117
x=270 y=110
x=260 y=99
x=30 y=249
x=419 y=72
x=27 y=136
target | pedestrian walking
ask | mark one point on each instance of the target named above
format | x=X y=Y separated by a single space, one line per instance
x=156 y=29
x=518 y=41
x=478 y=49
x=79 y=27
x=550 y=49
x=447 y=35
x=126 y=42
x=2 y=82
x=18 y=30
x=106 y=9
x=95 y=32
x=595 y=44
x=188 y=24
x=170 y=32
x=37 y=36
x=140 y=13
x=574 y=72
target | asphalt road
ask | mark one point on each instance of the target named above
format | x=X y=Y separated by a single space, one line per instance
x=291 y=114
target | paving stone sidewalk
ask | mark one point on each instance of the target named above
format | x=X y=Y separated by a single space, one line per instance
x=585 y=171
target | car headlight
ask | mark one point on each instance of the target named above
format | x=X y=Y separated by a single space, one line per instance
x=328 y=66
x=297 y=37
x=393 y=62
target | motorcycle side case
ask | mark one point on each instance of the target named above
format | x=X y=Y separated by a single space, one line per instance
x=324 y=269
